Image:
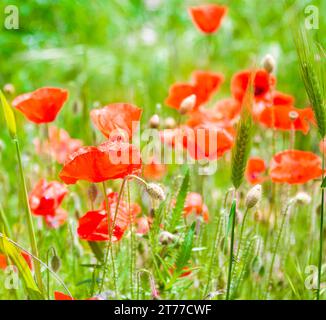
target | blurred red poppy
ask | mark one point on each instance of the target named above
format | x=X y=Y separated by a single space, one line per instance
x=41 y=105
x=255 y=170
x=59 y=144
x=143 y=225
x=46 y=197
x=295 y=167
x=207 y=18
x=93 y=226
x=264 y=84
x=115 y=117
x=110 y=160
x=154 y=170
x=322 y=146
x=26 y=256
x=279 y=117
x=204 y=84
x=194 y=204
x=62 y=296
x=207 y=142
x=57 y=220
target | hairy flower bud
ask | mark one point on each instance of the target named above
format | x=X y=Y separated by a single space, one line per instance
x=55 y=263
x=187 y=104
x=170 y=123
x=92 y=192
x=9 y=88
x=253 y=196
x=303 y=198
x=154 y=121
x=166 y=237
x=155 y=191
x=269 y=63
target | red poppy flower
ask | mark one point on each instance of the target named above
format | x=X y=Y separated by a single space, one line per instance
x=194 y=204
x=26 y=256
x=295 y=167
x=57 y=220
x=279 y=117
x=62 y=296
x=255 y=169
x=203 y=85
x=110 y=160
x=59 y=145
x=93 y=226
x=115 y=117
x=41 y=105
x=207 y=142
x=264 y=83
x=154 y=170
x=46 y=197
x=208 y=18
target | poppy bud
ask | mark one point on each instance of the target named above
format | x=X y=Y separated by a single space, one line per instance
x=253 y=196
x=166 y=237
x=155 y=191
x=169 y=123
x=92 y=192
x=187 y=104
x=9 y=88
x=55 y=263
x=154 y=121
x=303 y=198
x=269 y=63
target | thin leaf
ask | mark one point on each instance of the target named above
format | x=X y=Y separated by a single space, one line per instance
x=181 y=198
x=9 y=115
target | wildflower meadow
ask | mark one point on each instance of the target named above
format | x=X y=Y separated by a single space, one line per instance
x=162 y=150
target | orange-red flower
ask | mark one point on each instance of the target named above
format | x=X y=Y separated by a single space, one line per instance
x=279 y=117
x=295 y=167
x=255 y=170
x=207 y=142
x=154 y=170
x=93 y=226
x=143 y=225
x=110 y=160
x=59 y=144
x=203 y=85
x=41 y=105
x=208 y=18
x=46 y=197
x=194 y=204
x=62 y=296
x=116 y=117
x=263 y=84
x=322 y=146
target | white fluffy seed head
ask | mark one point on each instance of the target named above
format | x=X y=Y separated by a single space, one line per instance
x=9 y=88
x=154 y=121
x=166 y=237
x=187 y=104
x=253 y=196
x=155 y=191
x=303 y=198
x=269 y=63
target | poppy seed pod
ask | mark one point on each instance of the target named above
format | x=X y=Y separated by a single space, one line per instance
x=155 y=191
x=187 y=104
x=253 y=196
x=269 y=63
x=154 y=121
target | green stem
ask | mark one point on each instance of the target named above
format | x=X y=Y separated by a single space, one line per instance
x=275 y=249
x=321 y=231
x=131 y=246
x=241 y=231
x=231 y=251
x=28 y=213
x=110 y=231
